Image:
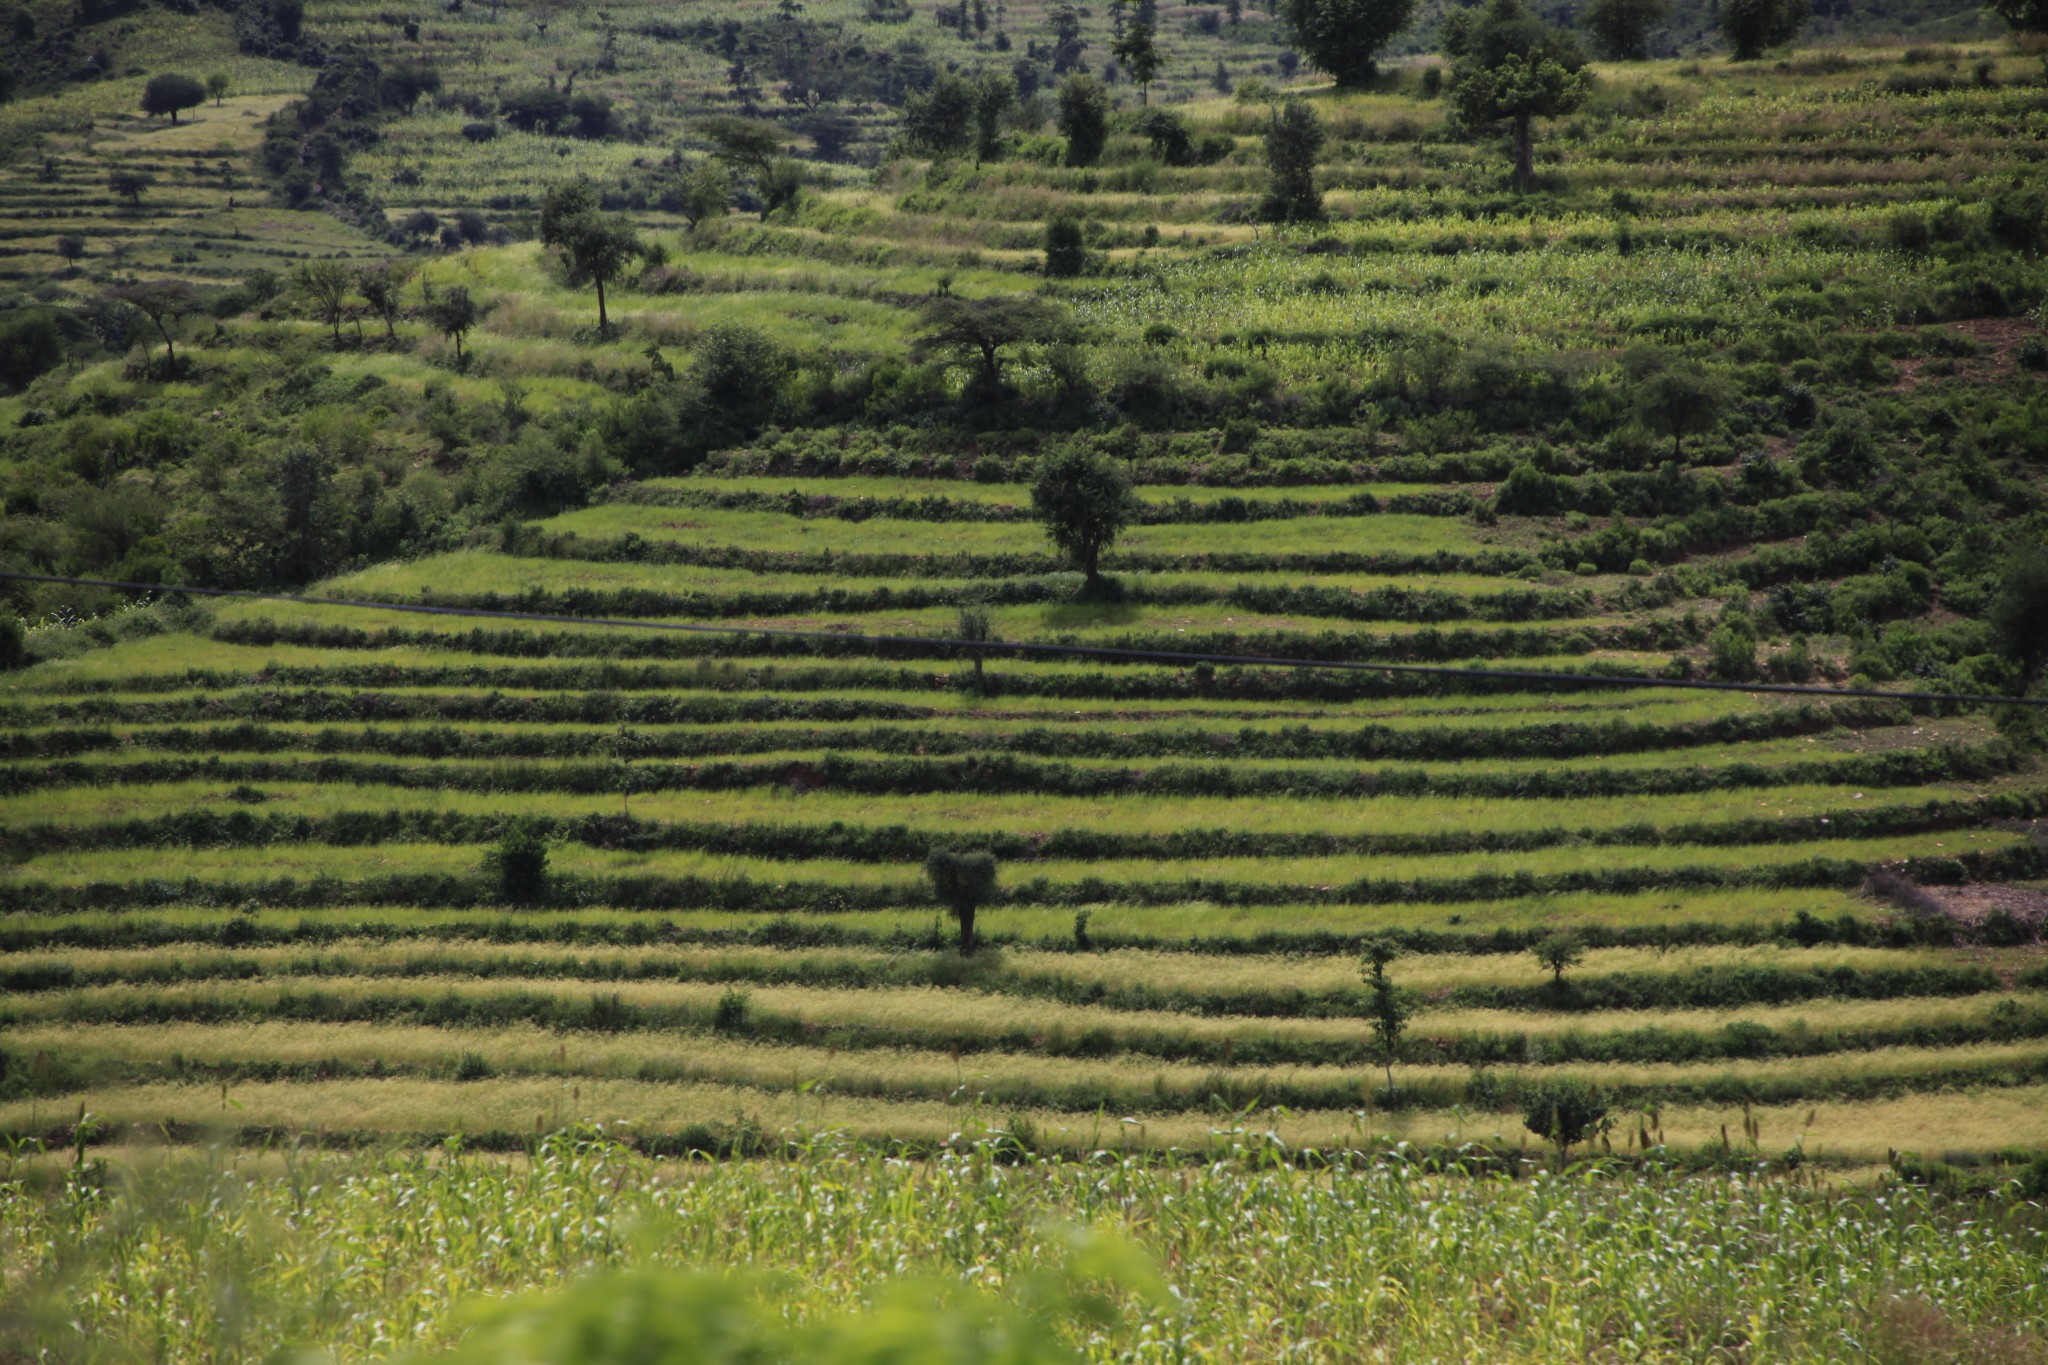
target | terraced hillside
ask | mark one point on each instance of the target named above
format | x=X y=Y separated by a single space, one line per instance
x=264 y=858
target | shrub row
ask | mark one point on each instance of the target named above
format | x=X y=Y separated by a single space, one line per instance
x=899 y=844
x=1568 y=739
x=631 y=548
x=1378 y=604
x=450 y=890
x=938 y=507
x=1006 y=773
x=1326 y=646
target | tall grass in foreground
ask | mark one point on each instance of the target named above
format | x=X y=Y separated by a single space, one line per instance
x=223 y=1257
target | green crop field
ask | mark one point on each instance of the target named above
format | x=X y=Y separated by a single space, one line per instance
x=1499 y=693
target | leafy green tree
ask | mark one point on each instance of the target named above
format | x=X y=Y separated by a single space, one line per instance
x=130 y=185
x=939 y=121
x=171 y=92
x=980 y=329
x=165 y=303
x=1560 y=952
x=975 y=628
x=379 y=285
x=782 y=186
x=2024 y=16
x=703 y=192
x=1679 y=402
x=596 y=247
x=305 y=488
x=453 y=313
x=1622 y=27
x=1345 y=37
x=1384 y=1009
x=1066 y=255
x=994 y=94
x=1566 y=1112
x=325 y=286
x=1084 y=501
x=1752 y=27
x=2019 y=612
x=519 y=867
x=1293 y=139
x=218 y=85
x=1139 y=55
x=1512 y=68
x=963 y=881
x=749 y=146
x=1084 y=118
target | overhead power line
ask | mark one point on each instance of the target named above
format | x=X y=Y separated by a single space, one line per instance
x=1022 y=648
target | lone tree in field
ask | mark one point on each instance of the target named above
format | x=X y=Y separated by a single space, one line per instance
x=979 y=329
x=704 y=191
x=325 y=286
x=1560 y=952
x=71 y=247
x=171 y=92
x=1752 y=27
x=379 y=285
x=2019 y=613
x=1084 y=501
x=1345 y=37
x=1383 y=1008
x=218 y=85
x=453 y=313
x=130 y=185
x=519 y=866
x=1139 y=55
x=1066 y=254
x=1511 y=68
x=1564 y=1113
x=1681 y=402
x=1084 y=118
x=994 y=94
x=975 y=628
x=1621 y=28
x=1293 y=139
x=964 y=882
x=165 y=303
x=596 y=247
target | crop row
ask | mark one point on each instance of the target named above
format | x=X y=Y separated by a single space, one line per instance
x=1462 y=739
x=939 y=507
x=737 y=892
x=1423 y=605
x=1153 y=1088
x=896 y=843
x=1427 y=645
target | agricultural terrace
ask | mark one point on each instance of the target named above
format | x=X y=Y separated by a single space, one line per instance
x=1748 y=387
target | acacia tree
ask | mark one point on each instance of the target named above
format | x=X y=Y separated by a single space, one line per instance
x=1084 y=501
x=704 y=191
x=1512 y=68
x=130 y=185
x=165 y=303
x=2024 y=16
x=1345 y=37
x=325 y=286
x=1293 y=139
x=963 y=881
x=71 y=247
x=171 y=92
x=1560 y=952
x=1139 y=54
x=979 y=329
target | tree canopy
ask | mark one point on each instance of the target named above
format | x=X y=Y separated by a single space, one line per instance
x=1512 y=68
x=963 y=881
x=1752 y=27
x=1293 y=140
x=1084 y=501
x=979 y=329
x=171 y=92
x=596 y=247
x=1345 y=37
x=1621 y=28
x=1084 y=118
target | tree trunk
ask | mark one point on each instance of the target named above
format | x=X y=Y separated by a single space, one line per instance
x=966 y=917
x=603 y=323
x=1090 y=559
x=988 y=364
x=1525 y=153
